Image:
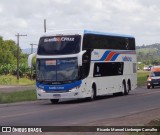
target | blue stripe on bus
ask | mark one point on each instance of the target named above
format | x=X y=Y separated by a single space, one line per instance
x=104 y=56
x=60 y=87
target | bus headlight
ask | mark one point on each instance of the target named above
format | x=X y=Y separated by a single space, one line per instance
x=40 y=90
x=74 y=89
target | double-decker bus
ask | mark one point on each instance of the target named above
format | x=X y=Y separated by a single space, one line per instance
x=84 y=64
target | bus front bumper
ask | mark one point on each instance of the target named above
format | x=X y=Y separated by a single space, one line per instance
x=45 y=95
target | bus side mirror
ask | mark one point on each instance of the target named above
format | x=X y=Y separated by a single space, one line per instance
x=80 y=58
x=30 y=57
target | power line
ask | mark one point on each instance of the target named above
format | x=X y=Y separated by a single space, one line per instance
x=18 y=35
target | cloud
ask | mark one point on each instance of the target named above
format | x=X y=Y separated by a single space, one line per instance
x=139 y=18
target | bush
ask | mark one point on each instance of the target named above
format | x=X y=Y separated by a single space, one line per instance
x=24 y=71
x=7 y=69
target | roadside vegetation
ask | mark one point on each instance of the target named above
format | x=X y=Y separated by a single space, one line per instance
x=148 y=54
x=142 y=77
x=27 y=95
x=12 y=80
x=8 y=60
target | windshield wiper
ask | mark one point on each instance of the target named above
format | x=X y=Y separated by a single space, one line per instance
x=56 y=82
x=40 y=81
x=44 y=81
x=49 y=82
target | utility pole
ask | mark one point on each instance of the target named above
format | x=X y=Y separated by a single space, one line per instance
x=31 y=53
x=44 y=25
x=32 y=47
x=18 y=35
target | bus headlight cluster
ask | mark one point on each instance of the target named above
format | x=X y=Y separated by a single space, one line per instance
x=40 y=90
x=74 y=89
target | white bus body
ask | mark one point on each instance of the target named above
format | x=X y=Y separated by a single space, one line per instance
x=100 y=64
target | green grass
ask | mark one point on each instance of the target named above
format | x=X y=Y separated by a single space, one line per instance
x=142 y=77
x=12 y=80
x=18 y=96
x=27 y=95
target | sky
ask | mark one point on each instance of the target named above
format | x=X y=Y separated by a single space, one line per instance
x=140 y=18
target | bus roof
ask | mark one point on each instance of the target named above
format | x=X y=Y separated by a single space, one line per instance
x=63 y=32
x=81 y=32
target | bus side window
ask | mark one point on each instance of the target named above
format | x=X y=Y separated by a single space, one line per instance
x=120 y=68
x=127 y=43
x=97 y=69
x=86 y=63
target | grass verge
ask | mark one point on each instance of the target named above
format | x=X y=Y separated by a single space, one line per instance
x=12 y=80
x=142 y=77
x=27 y=95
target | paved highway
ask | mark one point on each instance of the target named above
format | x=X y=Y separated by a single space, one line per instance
x=43 y=113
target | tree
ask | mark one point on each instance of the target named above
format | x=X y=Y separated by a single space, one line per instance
x=8 y=51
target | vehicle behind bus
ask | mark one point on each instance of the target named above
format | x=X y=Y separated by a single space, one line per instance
x=153 y=79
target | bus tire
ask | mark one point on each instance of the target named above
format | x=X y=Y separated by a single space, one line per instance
x=93 y=93
x=128 y=88
x=54 y=101
x=126 y=91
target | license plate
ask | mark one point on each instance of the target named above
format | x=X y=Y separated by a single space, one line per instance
x=57 y=95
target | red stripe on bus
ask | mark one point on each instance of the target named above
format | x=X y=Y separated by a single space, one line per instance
x=110 y=56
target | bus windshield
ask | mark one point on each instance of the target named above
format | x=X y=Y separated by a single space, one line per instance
x=57 y=70
x=59 y=45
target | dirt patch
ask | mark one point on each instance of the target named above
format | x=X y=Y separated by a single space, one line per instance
x=138 y=119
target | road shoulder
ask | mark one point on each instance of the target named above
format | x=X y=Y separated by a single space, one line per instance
x=136 y=119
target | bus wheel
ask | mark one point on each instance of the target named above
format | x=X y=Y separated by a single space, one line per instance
x=152 y=87
x=126 y=90
x=93 y=93
x=54 y=101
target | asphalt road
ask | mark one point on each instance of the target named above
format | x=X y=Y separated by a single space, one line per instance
x=79 y=112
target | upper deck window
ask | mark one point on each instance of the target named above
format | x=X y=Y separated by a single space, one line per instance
x=59 y=45
x=93 y=41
